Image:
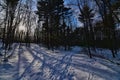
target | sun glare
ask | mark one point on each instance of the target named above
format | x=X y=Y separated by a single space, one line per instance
x=22 y=27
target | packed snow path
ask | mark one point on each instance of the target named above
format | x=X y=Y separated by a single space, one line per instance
x=39 y=63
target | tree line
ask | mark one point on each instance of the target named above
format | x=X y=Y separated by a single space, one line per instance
x=54 y=23
x=102 y=31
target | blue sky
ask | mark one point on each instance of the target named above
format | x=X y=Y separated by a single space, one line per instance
x=73 y=5
x=74 y=9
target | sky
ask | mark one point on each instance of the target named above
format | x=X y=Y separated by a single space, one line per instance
x=73 y=5
x=67 y=3
x=74 y=9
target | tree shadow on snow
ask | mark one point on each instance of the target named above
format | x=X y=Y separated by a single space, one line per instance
x=59 y=69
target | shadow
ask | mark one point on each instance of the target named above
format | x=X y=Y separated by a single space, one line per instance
x=13 y=51
x=58 y=69
x=19 y=53
x=6 y=66
x=80 y=66
x=53 y=68
x=111 y=66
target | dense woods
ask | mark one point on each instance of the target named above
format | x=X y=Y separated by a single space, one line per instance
x=61 y=23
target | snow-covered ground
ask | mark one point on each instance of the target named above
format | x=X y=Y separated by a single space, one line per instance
x=39 y=63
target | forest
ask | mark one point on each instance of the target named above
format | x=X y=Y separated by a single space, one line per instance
x=54 y=24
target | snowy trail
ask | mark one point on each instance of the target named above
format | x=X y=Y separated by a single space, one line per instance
x=38 y=63
x=58 y=68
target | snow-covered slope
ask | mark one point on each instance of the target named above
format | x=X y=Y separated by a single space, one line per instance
x=39 y=63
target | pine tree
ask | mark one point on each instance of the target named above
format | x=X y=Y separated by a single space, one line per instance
x=51 y=12
x=86 y=17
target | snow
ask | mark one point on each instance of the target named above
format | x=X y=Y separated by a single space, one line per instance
x=39 y=63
